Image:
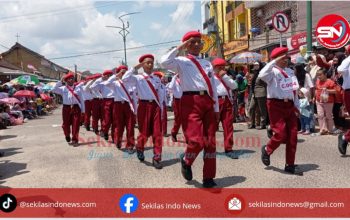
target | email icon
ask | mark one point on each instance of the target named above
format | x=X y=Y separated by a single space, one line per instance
x=234 y=204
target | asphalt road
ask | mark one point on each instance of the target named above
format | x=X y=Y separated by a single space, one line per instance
x=37 y=156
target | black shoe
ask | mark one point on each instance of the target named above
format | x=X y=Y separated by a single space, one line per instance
x=118 y=145
x=68 y=139
x=261 y=127
x=130 y=150
x=186 y=170
x=75 y=143
x=105 y=136
x=265 y=158
x=173 y=137
x=231 y=154
x=209 y=183
x=87 y=127
x=157 y=164
x=140 y=155
x=251 y=126
x=269 y=132
x=342 y=144
x=96 y=131
x=293 y=169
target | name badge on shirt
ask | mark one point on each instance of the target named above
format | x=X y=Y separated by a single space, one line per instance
x=289 y=84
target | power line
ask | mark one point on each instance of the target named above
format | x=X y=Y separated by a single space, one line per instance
x=111 y=51
x=4 y=46
x=53 y=12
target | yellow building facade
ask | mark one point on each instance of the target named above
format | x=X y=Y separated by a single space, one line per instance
x=233 y=21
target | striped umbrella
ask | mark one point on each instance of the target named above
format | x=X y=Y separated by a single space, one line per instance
x=246 y=58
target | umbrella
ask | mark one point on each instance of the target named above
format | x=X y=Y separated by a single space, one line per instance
x=52 y=84
x=246 y=58
x=28 y=79
x=4 y=95
x=24 y=93
x=47 y=87
x=9 y=100
x=45 y=97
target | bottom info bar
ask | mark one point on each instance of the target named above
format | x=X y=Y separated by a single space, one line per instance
x=174 y=203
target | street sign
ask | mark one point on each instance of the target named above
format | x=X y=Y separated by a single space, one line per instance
x=280 y=22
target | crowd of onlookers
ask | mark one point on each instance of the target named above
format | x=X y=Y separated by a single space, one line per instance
x=320 y=94
x=26 y=108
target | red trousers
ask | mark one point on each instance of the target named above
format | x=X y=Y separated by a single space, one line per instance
x=226 y=119
x=71 y=117
x=107 y=115
x=199 y=126
x=150 y=124
x=97 y=110
x=123 y=117
x=284 y=124
x=82 y=118
x=164 y=119
x=88 y=112
x=347 y=106
x=177 y=115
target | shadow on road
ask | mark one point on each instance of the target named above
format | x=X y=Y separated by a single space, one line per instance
x=303 y=167
x=242 y=153
x=9 y=169
x=3 y=137
x=301 y=140
x=9 y=151
x=87 y=143
x=165 y=163
x=221 y=182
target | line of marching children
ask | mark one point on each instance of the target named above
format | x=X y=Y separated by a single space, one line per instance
x=202 y=99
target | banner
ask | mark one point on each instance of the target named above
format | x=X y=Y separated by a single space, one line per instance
x=155 y=203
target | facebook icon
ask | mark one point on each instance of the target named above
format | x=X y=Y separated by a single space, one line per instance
x=128 y=203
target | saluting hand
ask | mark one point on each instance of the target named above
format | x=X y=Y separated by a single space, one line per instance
x=281 y=57
x=184 y=44
x=222 y=73
x=138 y=66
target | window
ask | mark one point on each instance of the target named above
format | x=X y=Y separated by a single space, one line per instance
x=231 y=30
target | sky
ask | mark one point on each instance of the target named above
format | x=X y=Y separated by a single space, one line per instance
x=62 y=28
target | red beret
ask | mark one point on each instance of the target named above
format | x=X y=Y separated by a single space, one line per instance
x=159 y=74
x=278 y=52
x=190 y=34
x=145 y=56
x=97 y=75
x=107 y=72
x=122 y=67
x=218 y=62
x=68 y=76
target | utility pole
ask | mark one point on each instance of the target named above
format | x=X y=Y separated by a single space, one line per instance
x=124 y=31
x=17 y=36
x=309 y=26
